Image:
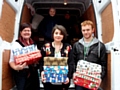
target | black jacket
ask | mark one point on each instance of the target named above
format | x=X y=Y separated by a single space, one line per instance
x=46 y=26
x=92 y=54
x=63 y=54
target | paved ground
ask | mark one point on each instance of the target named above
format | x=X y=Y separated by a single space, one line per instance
x=40 y=89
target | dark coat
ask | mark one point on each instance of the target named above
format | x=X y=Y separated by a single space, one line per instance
x=63 y=54
x=92 y=54
x=46 y=26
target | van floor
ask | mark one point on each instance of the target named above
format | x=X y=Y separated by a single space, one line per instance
x=68 y=89
x=41 y=86
x=41 y=89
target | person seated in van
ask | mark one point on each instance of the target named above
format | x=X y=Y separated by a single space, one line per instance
x=25 y=76
x=45 y=27
x=89 y=49
x=57 y=49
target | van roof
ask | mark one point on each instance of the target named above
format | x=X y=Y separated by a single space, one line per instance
x=77 y=7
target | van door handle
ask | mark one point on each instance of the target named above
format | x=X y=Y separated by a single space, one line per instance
x=115 y=49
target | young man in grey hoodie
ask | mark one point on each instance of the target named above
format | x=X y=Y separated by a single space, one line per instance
x=90 y=49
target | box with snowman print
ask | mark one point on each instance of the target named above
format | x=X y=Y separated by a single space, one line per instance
x=28 y=54
x=88 y=75
x=55 y=69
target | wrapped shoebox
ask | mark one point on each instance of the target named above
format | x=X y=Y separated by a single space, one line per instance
x=28 y=54
x=55 y=69
x=88 y=75
x=55 y=74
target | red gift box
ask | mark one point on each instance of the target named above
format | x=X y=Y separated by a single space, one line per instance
x=88 y=75
x=29 y=58
x=86 y=81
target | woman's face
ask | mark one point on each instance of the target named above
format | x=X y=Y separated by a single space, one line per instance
x=57 y=35
x=26 y=33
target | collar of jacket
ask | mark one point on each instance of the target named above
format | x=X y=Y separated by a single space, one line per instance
x=95 y=40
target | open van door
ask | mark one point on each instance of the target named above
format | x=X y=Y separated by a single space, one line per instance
x=108 y=24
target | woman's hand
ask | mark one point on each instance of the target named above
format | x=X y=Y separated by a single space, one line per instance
x=67 y=81
x=42 y=76
x=20 y=66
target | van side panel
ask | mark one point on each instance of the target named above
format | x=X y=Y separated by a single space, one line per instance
x=6 y=28
x=26 y=14
x=107 y=24
x=106 y=83
x=7 y=33
x=89 y=15
x=7 y=78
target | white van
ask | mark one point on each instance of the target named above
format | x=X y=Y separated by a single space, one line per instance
x=104 y=13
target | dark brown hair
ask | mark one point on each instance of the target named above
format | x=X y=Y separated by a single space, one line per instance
x=62 y=29
x=52 y=8
x=25 y=25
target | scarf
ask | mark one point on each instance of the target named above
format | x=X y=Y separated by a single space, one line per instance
x=24 y=42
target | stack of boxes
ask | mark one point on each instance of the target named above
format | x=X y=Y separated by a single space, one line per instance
x=88 y=75
x=55 y=69
x=28 y=54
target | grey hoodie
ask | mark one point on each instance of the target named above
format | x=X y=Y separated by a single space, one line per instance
x=92 y=53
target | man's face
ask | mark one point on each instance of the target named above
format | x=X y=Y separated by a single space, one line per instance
x=52 y=12
x=87 y=31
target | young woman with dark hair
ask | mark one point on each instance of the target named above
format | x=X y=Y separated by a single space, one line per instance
x=57 y=48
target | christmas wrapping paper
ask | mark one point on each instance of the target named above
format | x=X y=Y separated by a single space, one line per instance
x=55 y=74
x=55 y=69
x=88 y=75
x=28 y=54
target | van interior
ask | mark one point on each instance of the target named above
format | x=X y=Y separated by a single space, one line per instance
x=79 y=10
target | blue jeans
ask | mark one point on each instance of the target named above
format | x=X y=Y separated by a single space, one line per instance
x=20 y=79
x=80 y=88
x=49 y=86
x=27 y=80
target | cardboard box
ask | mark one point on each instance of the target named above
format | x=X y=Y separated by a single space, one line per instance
x=26 y=54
